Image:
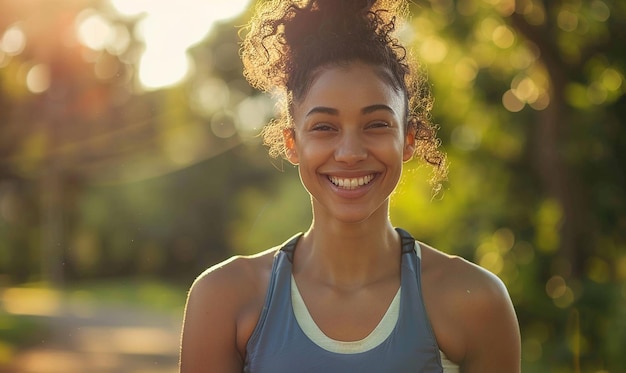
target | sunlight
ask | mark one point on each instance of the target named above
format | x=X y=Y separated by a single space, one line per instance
x=30 y=301
x=168 y=29
x=38 y=78
x=13 y=41
x=93 y=29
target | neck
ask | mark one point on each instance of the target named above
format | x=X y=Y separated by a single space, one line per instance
x=348 y=255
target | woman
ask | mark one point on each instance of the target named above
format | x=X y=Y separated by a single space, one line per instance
x=353 y=293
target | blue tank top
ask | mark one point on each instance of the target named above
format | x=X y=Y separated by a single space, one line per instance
x=278 y=344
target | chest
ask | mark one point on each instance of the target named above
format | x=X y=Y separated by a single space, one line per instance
x=344 y=315
x=346 y=331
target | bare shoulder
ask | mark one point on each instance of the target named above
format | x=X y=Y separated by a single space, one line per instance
x=238 y=275
x=232 y=287
x=471 y=313
x=460 y=275
x=222 y=308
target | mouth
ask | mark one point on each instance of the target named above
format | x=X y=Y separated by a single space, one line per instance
x=351 y=182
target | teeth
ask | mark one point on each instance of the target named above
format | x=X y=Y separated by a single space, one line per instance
x=351 y=183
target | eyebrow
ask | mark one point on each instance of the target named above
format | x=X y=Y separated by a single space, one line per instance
x=366 y=110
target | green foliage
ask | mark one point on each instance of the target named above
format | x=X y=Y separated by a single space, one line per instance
x=265 y=219
x=18 y=332
x=157 y=295
x=528 y=204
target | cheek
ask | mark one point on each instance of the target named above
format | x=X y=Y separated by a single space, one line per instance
x=312 y=147
x=395 y=148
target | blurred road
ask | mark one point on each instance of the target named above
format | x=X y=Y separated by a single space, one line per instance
x=96 y=339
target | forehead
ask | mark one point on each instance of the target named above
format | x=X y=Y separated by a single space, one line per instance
x=352 y=86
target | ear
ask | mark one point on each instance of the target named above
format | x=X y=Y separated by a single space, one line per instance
x=289 y=136
x=409 y=144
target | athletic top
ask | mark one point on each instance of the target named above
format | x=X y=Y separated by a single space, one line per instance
x=286 y=339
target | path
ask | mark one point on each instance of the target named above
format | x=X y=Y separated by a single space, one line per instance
x=85 y=338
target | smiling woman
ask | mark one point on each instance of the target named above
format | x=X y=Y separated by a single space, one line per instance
x=169 y=29
x=353 y=292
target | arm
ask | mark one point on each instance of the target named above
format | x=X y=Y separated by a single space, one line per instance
x=209 y=336
x=491 y=330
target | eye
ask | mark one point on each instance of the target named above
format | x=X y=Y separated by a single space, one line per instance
x=378 y=124
x=322 y=127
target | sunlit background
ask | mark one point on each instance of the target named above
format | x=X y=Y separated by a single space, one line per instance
x=167 y=29
x=130 y=161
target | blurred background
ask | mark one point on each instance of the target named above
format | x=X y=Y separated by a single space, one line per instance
x=130 y=161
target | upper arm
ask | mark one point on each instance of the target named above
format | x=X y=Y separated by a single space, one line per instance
x=492 y=336
x=208 y=342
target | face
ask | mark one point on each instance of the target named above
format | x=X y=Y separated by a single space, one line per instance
x=349 y=142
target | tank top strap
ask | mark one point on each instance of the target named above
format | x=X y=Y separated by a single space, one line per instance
x=279 y=278
x=289 y=246
x=407 y=241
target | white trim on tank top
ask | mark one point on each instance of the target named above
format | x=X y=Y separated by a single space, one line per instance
x=315 y=334
x=380 y=333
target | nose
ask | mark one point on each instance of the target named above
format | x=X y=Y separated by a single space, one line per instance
x=350 y=149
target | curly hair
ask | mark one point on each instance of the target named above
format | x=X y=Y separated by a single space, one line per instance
x=289 y=41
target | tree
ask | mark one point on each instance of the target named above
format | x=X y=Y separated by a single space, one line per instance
x=528 y=95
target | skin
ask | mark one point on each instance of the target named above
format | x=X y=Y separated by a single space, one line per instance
x=350 y=125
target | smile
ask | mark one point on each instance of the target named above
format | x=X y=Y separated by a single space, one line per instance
x=351 y=183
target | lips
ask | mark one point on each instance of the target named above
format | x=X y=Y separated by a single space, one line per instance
x=351 y=182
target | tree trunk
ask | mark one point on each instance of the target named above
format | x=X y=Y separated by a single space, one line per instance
x=549 y=139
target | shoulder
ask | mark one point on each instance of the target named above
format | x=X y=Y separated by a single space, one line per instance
x=234 y=279
x=222 y=307
x=470 y=309
x=460 y=275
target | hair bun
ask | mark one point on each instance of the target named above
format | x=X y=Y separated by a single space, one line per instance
x=285 y=34
x=335 y=23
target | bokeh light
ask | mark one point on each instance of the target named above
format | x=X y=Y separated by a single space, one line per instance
x=94 y=31
x=433 y=50
x=168 y=29
x=38 y=78
x=13 y=40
